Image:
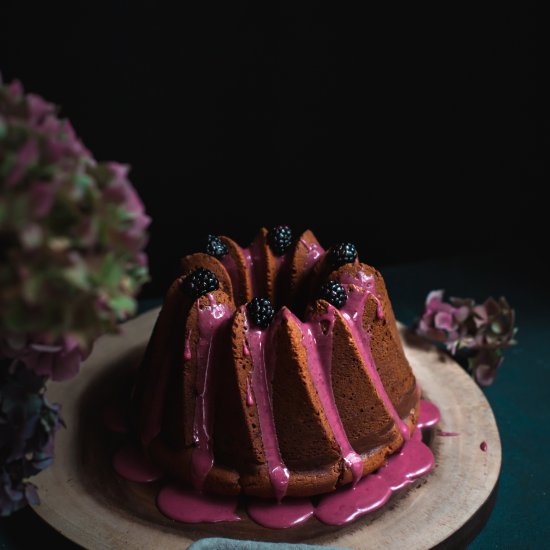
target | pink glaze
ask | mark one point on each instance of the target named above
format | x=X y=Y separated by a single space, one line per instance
x=341 y=507
x=429 y=414
x=314 y=252
x=483 y=446
x=188 y=506
x=246 y=351
x=349 y=503
x=261 y=385
x=280 y=515
x=115 y=418
x=210 y=318
x=345 y=505
x=319 y=361
x=131 y=464
x=359 y=289
x=413 y=460
x=447 y=434
x=187 y=347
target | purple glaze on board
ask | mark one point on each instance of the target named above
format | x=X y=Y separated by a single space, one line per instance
x=280 y=515
x=441 y=433
x=429 y=414
x=483 y=446
x=359 y=289
x=347 y=504
x=413 y=460
x=186 y=505
x=187 y=347
x=210 y=318
x=115 y=418
x=318 y=344
x=132 y=464
x=339 y=508
x=261 y=385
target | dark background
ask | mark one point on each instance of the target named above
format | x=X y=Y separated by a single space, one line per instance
x=413 y=130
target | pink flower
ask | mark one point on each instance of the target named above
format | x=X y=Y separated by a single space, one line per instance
x=442 y=321
x=481 y=332
x=26 y=157
x=41 y=197
x=59 y=362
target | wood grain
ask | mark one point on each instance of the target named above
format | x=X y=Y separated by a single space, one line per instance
x=84 y=500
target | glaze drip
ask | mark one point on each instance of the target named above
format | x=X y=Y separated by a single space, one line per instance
x=187 y=347
x=314 y=252
x=210 y=319
x=318 y=343
x=261 y=386
x=249 y=396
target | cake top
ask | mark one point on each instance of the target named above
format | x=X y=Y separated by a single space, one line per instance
x=277 y=270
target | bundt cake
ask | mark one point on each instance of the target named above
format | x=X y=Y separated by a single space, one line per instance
x=274 y=370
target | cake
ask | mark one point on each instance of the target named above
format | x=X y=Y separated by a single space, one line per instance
x=274 y=370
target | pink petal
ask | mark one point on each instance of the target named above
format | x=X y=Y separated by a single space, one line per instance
x=444 y=320
x=434 y=299
x=41 y=197
x=485 y=375
x=27 y=155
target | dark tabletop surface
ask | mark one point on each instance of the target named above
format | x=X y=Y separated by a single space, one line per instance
x=520 y=397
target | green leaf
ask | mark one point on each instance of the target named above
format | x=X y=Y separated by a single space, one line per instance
x=111 y=272
x=122 y=305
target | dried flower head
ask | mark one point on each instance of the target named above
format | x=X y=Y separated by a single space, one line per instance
x=482 y=331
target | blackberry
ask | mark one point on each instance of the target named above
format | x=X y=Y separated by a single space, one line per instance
x=201 y=282
x=215 y=247
x=279 y=239
x=340 y=254
x=334 y=293
x=261 y=311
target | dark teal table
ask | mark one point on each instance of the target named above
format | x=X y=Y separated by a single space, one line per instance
x=520 y=397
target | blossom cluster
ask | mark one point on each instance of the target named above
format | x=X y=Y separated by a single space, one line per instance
x=72 y=234
x=480 y=332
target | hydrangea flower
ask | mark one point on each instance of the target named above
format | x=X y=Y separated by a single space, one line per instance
x=72 y=234
x=478 y=332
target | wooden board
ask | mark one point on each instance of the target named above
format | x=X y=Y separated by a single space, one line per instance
x=84 y=499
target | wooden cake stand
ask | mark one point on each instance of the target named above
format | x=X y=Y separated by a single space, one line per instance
x=87 y=502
